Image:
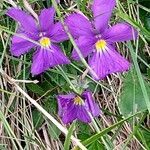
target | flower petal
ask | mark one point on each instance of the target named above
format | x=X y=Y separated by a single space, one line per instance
x=63 y=101
x=58 y=34
x=102 y=10
x=85 y=44
x=58 y=57
x=26 y=21
x=20 y=46
x=108 y=62
x=46 y=19
x=39 y=64
x=43 y=59
x=70 y=114
x=78 y=25
x=120 y=32
x=83 y=114
x=91 y=105
x=67 y=97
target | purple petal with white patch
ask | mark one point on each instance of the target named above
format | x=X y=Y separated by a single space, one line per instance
x=43 y=56
x=49 y=57
x=107 y=62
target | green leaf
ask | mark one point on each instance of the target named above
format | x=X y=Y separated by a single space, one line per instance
x=144 y=136
x=144 y=14
x=96 y=146
x=148 y=72
x=37 y=118
x=53 y=131
x=3 y=146
x=147 y=22
x=139 y=75
x=97 y=136
x=35 y=88
x=132 y=99
x=50 y=104
x=84 y=131
x=135 y=24
x=68 y=137
x=144 y=3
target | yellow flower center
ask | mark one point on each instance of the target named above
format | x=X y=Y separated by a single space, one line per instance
x=78 y=101
x=45 y=42
x=100 y=45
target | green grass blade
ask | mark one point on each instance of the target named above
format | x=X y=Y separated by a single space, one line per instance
x=68 y=137
x=9 y=131
x=106 y=130
x=141 y=81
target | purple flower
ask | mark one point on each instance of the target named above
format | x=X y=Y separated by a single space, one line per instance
x=71 y=107
x=96 y=39
x=46 y=33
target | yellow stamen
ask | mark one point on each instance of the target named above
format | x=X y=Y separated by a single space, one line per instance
x=45 y=42
x=100 y=45
x=78 y=101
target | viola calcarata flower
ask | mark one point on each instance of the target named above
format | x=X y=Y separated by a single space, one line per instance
x=73 y=107
x=96 y=39
x=47 y=33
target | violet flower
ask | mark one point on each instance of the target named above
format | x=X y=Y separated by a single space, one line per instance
x=72 y=107
x=96 y=39
x=46 y=33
